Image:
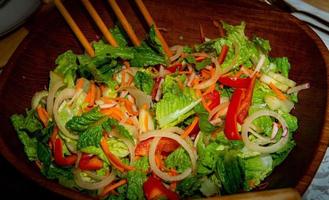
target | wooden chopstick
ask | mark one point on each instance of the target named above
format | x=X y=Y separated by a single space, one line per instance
x=74 y=28
x=101 y=25
x=151 y=22
x=125 y=24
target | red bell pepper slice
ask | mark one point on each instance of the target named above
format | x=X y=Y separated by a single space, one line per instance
x=245 y=104
x=231 y=129
x=156 y=87
x=213 y=98
x=235 y=82
x=223 y=54
x=173 y=68
x=59 y=157
x=154 y=189
x=89 y=162
x=165 y=145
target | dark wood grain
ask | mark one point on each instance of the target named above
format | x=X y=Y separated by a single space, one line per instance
x=27 y=71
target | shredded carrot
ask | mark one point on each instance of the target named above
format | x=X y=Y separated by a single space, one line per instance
x=196 y=81
x=114 y=112
x=205 y=73
x=91 y=95
x=128 y=105
x=189 y=129
x=158 y=160
x=278 y=93
x=123 y=78
x=145 y=106
x=53 y=137
x=98 y=93
x=200 y=58
x=38 y=163
x=198 y=93
x=238 y=74
x=127 y=64
x=116 y=162
x=180 y=84
x=79 y=84
x=130 y=80
x=146 y=122
x=173 y=184
x=43 y=115
x=113 y=186
x=210 y=89
x=102 y=87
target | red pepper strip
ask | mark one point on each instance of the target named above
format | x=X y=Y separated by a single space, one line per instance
x=165 y=145
x=156 y=87
x=223 y=54
x=154 y=189
x=59 y=157
x=173 y=68
x=213 y=98
x=231 y=129
x=245 y=104
x=88 y=162
x=235 y=82
x=116 y=162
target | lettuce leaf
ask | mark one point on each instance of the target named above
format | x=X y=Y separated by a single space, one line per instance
x=104 y=50
x=282 y=65
x=136 y=179
x=256 y=169
x=145 y=56
x=178 y=160
x=26 y=127
x=144 y=82
x=119 y=35
x=90 y=137
x=81 y=123
x=67 y=67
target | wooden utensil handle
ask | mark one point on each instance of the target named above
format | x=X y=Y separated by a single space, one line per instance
x=282 y=194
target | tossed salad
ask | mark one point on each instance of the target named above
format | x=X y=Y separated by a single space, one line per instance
x=131 y=123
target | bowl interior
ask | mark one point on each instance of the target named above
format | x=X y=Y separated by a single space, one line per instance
x=28 y=70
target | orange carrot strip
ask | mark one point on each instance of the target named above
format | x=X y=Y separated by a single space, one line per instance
x=210 y=89
x=91 y=95
x=113 y=186
x=79 y=84
x=116 y=162
x=146 y=122
x=98 y=93
x=123 y=78
x=189 y=129
x=278 y=93
x=43 y=115
x=200 y=58
x=114 y=112
x=130 y=80
x=128 y=105
x=205 y=105
x=180 y=84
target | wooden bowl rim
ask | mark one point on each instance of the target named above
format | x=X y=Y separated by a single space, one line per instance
x=302 y=184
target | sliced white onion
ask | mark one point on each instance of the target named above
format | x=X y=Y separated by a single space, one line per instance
x=298 y=88
x=79 y=155
x=51 y=96
x=213 y=79
x=158 y=94
x=129 y=143
x=216 y=122
x=168 y=133
x=259 y=65
x=275 y=130
x=157 y=171
x=221 y=107
x=140 y=97
x=107 y=105
x=63 y=95
x=179 y=51
x=190 y=79
x=92 y=185
x=37 y=97
x=197 y=139
x=256 y=147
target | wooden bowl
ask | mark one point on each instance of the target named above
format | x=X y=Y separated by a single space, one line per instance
x=28 y=70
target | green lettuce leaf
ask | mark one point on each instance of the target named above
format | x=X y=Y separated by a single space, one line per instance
x=281 y=155
x=82 y=123
x=90 y=137
x=26 y=127
x=204 y=124
x=136 y=179
x=178 y=160
x=118 y=148
x=292 y=121
x=256 y=169
x=282 y=65
x=189 y=186
x=144 y=82
x=119 y=36
x=105 y=50
x=67 y=67
x=145 y=56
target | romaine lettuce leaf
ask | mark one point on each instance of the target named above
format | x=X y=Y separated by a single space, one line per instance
x=136 y=179
x=119 y=35
x=67 y=67
x=178 y=160
x=144 y=82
